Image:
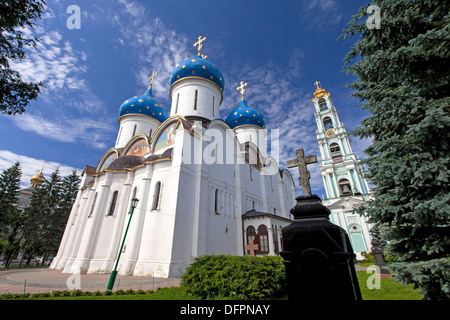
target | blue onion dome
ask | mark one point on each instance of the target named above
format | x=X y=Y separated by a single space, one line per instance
x=245 y=116
x=198 y=68
x=144 y=105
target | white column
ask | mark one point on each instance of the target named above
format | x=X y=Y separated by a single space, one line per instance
x=89 y=237
x=271 y=245
x=134 y=237
x=122 y=214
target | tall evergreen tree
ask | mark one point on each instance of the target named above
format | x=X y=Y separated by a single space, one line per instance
x=47 y=214
x=9 y=195
x=39 y=214
x=58 y=218
x=402 y=71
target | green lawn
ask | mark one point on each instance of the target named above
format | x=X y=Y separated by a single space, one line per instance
x=389 y=290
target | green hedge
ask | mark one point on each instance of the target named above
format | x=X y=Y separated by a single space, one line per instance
x=234 y=277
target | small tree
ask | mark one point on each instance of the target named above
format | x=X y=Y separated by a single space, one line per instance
x=15 y=94
x=403 y=81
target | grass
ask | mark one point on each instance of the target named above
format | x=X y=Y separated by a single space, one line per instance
x=389 y=290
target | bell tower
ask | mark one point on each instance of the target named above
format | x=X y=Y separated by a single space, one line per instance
x=341 y=171
x=342 y=174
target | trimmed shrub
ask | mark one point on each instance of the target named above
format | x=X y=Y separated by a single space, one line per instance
x=234 y=277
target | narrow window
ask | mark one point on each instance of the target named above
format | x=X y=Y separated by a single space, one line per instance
x=196 y=98
x=251 y=235
x=263 y=239
x=150 y=133
x=120 y=133
x=156 y=194
x=113 y=203
x=214 y=102
x=216 y=201
x=134 y=130
x=93 y=205
x=176 y=106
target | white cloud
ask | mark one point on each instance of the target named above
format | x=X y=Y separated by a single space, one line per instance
x=31 y=166
x=70 y=130
x=66 y=106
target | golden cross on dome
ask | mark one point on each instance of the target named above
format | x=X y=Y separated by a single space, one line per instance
x=317 y=83
x=199 y=44
x=151 y=79
x=241 y=88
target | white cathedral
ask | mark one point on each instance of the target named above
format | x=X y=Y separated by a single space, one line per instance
x=204 y=185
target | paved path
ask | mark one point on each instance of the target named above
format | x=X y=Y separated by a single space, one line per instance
x=46 y=280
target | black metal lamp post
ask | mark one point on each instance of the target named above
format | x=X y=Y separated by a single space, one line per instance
x=112 y=278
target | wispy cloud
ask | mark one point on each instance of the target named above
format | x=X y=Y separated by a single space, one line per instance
x=31 y=166
x=66 y=106
x=84 y=130
x=321 y=13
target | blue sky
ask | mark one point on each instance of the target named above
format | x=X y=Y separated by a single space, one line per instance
x=280 y=48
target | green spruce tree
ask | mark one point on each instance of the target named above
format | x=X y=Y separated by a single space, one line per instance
x=9 y=195
x=40 y=214
x=10 y=217
x=60 y=214
x=402 y=71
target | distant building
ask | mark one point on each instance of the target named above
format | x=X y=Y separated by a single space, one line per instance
x=342 y=173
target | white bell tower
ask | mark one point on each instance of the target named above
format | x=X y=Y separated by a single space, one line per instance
x=341 y=172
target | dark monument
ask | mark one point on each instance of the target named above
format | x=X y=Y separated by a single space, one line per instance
x=319 y=258
x=378 y=256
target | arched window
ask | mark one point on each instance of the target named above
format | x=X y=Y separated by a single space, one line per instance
x=263 y=239
x=335 y=150
x=93 y=205
x=322 y=104
x=327 y=123
x=251 y=234
x=216 y=201
x=156 y=194
x=345 y=187
x=112 y=207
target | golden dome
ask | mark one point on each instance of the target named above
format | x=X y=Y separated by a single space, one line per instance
x=320 y=92
x=38 y=179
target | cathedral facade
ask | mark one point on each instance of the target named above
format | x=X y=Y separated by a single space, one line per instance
x=204 y=185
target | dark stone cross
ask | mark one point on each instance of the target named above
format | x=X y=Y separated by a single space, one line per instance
x=301 y=162
x=252 y=247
